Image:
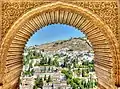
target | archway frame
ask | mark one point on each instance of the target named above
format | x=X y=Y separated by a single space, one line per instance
x=102 y=38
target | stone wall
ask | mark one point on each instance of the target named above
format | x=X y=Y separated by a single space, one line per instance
x=98 y=19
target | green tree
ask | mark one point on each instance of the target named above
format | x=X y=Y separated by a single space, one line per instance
x=44 y=77
x=56 y=63
x=39 y=82
x=49 y=79
x=83 y=73
x=49 y=61
x=49 y=69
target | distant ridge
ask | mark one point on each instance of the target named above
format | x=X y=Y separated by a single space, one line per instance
x=75 y=44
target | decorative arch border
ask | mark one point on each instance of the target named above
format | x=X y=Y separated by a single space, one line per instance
x=104 y=42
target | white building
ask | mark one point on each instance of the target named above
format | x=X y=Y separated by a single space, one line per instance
x=27 y=83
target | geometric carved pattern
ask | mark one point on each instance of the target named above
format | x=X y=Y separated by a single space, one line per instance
x=108 y=11
x=26 y=23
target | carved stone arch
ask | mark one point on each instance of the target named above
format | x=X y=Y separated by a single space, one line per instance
x=100 y=35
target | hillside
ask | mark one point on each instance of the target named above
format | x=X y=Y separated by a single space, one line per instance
x=73 y=44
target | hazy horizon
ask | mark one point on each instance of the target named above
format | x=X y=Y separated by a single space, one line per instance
x=52 y=42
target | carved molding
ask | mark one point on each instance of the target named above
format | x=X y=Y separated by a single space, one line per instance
x=101 y=36
x=107 y=11
x=103 y=14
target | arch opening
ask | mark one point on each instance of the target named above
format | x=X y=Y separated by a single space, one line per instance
x=62 y=49
x=101 y=37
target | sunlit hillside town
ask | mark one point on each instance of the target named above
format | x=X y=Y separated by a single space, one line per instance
x=61 y=69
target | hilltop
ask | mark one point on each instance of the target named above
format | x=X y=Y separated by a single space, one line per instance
x=74 y=44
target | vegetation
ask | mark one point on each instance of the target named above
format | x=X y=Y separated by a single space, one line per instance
x=77 y=83
x=38 y=83
x=74 y=72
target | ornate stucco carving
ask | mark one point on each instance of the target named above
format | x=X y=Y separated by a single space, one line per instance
x=107 y=11
x=23 y=19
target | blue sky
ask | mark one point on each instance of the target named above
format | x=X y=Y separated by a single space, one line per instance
x=52 y=33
